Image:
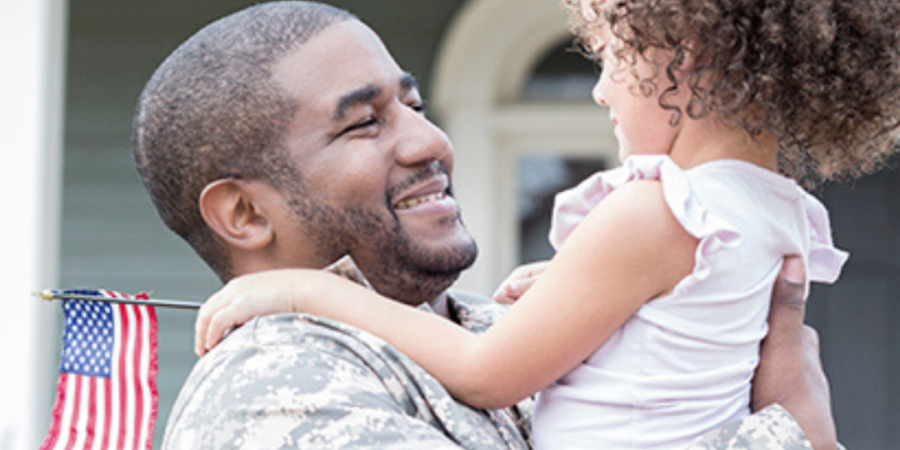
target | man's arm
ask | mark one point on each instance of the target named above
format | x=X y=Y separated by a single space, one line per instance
x=286 y=382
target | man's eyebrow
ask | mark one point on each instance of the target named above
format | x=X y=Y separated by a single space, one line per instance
x=357 y=97
x=408 y=82
x=369 y=93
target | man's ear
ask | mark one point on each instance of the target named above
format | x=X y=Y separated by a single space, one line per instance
x=231 y=208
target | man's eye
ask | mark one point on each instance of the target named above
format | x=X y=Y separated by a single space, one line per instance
x=367 y=122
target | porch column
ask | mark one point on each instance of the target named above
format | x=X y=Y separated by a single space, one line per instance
x=32 y=38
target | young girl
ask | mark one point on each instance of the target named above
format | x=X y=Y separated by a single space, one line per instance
x=644 y=330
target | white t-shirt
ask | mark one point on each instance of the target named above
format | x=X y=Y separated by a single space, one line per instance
x=683 y=363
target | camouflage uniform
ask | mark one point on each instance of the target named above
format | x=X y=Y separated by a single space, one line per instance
x=303 y=382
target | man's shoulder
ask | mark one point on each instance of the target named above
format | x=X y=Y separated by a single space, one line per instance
x=283 y=344
x=287 y=349
x=286 y=366
x=309 y=377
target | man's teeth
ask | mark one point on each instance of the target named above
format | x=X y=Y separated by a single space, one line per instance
x=406 y=204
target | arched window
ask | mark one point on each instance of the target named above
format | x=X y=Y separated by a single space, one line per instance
x=561 y=76
x=516 y=103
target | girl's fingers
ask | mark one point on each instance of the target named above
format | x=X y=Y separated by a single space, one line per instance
x=510 y=292
x=246 y=297
x=523 y=285
x=219 y=323
x=200 y=327
x=503 y=295
x=515 y=285
x=199 y=330
x=506 y=294
x=210 y=308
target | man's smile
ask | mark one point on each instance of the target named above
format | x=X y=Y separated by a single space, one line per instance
x=431 y=192
x=413 y=202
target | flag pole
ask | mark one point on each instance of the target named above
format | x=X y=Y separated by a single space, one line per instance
x=50 y=295
x=344 y=267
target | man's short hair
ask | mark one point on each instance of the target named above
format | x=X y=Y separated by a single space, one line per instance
x=211 y=111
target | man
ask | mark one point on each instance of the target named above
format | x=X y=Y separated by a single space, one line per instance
x=285 y=135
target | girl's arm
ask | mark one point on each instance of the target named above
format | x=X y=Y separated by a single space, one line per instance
x=628 y=250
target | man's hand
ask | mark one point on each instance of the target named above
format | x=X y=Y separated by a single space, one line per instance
x=790 y=371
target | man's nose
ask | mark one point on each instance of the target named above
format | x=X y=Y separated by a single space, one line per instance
x=420 y=140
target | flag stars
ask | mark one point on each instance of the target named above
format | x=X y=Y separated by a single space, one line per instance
x=88 y=337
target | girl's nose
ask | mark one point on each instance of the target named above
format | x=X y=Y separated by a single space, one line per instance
x=597 y=93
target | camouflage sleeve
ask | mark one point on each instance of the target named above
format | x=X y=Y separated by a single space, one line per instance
x=288 y=381
x=770 y=429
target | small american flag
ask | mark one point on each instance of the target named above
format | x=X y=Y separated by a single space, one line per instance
x=106 y=391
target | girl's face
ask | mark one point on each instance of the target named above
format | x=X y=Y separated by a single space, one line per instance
x=641 y=125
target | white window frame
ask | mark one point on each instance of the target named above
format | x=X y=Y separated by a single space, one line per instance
x=489 y=52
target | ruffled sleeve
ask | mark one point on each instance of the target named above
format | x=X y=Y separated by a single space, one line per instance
x=714 y=233
x=573 y=205
x=824 y=261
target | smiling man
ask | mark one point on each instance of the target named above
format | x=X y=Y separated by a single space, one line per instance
x=285 y=135
x=321 y=146
x=362 y=133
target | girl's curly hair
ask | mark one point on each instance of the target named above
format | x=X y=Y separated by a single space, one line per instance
x=823 y=76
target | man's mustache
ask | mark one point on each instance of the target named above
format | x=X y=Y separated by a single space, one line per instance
x=429 y=171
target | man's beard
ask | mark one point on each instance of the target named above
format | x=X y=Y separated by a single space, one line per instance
x=397 y=266
x=407 y=270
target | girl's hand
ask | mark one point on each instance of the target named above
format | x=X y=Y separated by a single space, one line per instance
x=246 y=297
x=515 y=285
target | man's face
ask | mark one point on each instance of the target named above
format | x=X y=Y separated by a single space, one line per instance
x=374 y=172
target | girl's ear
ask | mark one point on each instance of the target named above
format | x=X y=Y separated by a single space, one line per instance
x=232 y=209
x=692 y=54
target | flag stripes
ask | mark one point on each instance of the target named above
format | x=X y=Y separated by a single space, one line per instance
x=96 y=409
